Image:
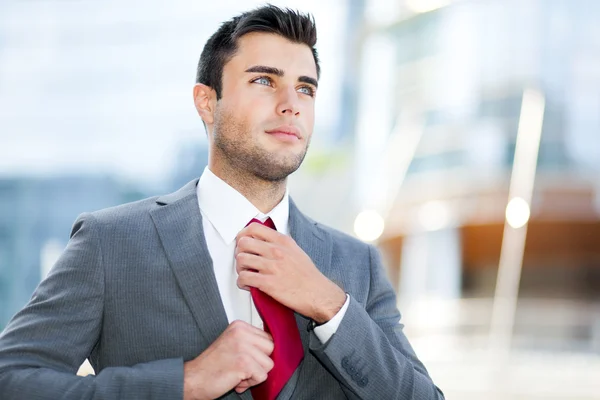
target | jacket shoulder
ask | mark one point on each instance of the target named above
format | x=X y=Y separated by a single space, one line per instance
x=125 y=212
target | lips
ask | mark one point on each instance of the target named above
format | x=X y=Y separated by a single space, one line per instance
x=289 y=130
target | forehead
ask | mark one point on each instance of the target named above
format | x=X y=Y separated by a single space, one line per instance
x=272 y=50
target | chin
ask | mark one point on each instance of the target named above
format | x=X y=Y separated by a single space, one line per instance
x=275 y=172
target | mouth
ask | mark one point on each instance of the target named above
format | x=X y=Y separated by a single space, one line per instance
x=285 y=132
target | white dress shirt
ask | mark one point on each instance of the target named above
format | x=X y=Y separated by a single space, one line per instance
x=225 y=212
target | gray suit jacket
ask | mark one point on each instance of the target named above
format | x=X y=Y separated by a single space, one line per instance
x=135 y=292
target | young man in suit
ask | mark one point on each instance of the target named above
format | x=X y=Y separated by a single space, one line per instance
x=223 y=289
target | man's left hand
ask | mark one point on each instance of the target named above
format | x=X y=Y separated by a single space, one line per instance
x=273 y=263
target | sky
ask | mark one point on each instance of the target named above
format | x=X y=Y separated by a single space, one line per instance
x=107 y=86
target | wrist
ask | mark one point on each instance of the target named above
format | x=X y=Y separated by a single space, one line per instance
x=191 y=388
x=328 y=307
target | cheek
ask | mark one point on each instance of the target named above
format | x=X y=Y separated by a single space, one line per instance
x=250 y=102
x=257 y=113
x=310 y=115
x=245 y=105
x=309 y=118
x=238 y=113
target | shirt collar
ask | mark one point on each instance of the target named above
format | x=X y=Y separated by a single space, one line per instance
x=229 y=211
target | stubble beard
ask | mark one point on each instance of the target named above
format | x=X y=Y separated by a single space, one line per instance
x=247 y=157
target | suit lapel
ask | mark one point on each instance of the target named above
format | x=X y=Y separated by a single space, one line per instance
x=179 y=225
x=318 y=245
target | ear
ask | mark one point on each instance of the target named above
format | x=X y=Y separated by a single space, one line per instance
x=205 y=100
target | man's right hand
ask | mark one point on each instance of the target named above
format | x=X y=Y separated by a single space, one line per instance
x=239 y=359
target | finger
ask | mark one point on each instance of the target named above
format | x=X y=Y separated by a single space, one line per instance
x=261 y=357
x=244 y=328
x=254 y=357
x=248 y=279
x=249 y=244
x=252 y=262
x=252 y=371
x=264 y=344
x=262 y=334
x=243 y=386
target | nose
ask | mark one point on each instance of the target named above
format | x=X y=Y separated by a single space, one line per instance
x=288 y=102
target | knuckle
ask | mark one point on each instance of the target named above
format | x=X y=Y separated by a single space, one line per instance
x=240 y=283
x=277 y=253
x=237 y=327
x=236 y=324
x=262 y=376
x=270 y=364
x=240 y=245
x=243 y=376
x=243 y=362
x=240 y=257
x=242 y=276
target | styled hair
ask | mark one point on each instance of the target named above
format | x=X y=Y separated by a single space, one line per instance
x=222 y=45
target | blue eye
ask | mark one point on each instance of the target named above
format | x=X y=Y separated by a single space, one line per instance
x=307 y=90
x=263 y=81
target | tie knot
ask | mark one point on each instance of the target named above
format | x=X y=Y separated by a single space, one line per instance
x=268 y=222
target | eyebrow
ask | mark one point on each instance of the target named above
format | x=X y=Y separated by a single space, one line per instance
x=263 y=69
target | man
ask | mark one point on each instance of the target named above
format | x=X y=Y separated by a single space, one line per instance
x=223 y=289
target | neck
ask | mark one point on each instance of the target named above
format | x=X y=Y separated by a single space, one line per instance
x=264 y=195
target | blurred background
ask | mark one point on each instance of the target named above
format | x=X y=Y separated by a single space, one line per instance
x=461 y=137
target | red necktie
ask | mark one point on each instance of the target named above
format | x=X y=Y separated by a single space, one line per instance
x=280 y=322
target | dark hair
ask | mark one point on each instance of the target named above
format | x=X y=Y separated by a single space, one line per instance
x=222 y=45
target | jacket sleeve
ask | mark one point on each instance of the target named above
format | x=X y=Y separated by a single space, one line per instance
x=45 y=343
x=369 y=353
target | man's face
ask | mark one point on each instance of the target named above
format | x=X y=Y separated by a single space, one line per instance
x=264 y=120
